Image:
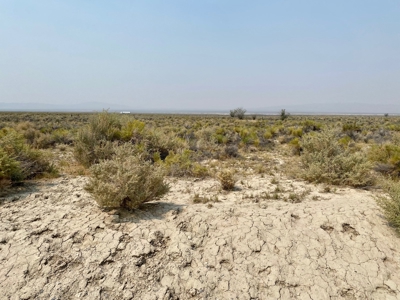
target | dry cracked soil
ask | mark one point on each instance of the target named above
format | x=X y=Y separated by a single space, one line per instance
x=55 y=243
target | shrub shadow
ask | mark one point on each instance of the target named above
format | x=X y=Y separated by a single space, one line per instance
x=18 y=192
x=148 y=211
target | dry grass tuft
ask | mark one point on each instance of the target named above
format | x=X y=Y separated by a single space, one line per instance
x=227 y=179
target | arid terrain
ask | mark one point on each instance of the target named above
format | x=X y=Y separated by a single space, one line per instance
x=103 y=206
x=199 y=150
x=56 y=243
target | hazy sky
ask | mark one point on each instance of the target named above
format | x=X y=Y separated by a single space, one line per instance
x=206 y=54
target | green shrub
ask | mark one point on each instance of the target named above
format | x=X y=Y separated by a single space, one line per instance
x=133 y=130
x=268 y=134
x=200 y=171
x=31 y=135
x=391 y=203
x=97 y=140
x=62 y=136
x=394 y=127
x=19 y=160
x=231 y=151
x=351 y=126
x=295 y=146
x=247 y=136
x=11 y=141
x=238 y=112
x=35 y=164
x=44 y=141
x=157 y=141
x=220 y=139
x=283 y=114
x=10 y=169
x=126 y=180
x=47 y=140
x=345 y=141
x=94 y=141
x=386 y=157
x=24 y=126
x=152 y=141
x=220 y=136
x=311 y=125
x=296 y=132
x=324 y=159
x=181 y=164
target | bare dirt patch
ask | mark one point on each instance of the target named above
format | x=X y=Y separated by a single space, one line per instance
x=55 y=243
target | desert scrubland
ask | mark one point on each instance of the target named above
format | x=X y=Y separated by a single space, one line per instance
x=112 y=206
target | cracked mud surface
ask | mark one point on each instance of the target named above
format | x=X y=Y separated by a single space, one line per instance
x=55 y=243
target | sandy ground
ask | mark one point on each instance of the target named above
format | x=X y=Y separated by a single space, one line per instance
x=55 y=243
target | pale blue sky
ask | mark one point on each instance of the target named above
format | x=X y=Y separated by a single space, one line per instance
x=200 y=54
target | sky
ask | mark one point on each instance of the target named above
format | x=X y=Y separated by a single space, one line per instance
x=200 y=55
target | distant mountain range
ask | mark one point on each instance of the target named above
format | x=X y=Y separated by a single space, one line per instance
x=335 y=108
x=45 y=107
x=317 y=108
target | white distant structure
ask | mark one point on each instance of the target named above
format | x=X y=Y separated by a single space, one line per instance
x=125 y=112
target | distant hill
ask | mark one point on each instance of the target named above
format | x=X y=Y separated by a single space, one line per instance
x=44 y=107
x=332 y=108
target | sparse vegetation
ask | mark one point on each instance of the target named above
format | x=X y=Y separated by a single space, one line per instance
x=386 y=158
x=391 y=203
x=196 y=146
x=18 y=161
x=324 y=159
x=181 y=164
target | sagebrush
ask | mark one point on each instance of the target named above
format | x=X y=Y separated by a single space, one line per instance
x=18 y=161
x=326 y=160
x=391 y=203
x=126 y=180
x=94 y=141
